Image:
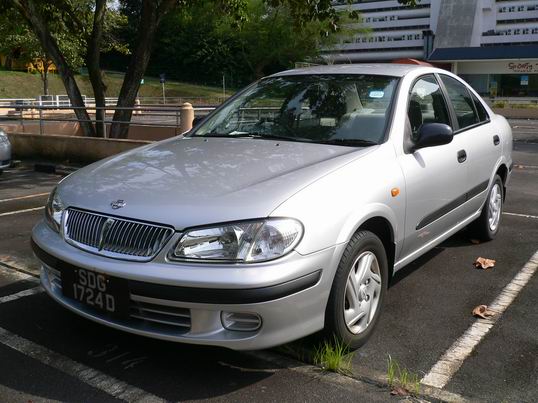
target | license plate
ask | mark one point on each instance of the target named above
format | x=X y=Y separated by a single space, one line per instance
x=102 y=292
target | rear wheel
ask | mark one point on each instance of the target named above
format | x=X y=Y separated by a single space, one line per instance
x=487 y=225
x=358 y=290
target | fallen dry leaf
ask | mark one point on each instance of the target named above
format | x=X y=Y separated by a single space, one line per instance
x=399 y=391
x=475 y=241
x=482 y=311
x=483 y=263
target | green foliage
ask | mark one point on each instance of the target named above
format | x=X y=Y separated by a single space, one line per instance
x=200 y=43
x=18 y=41
x=333 y=356
x=398 y=376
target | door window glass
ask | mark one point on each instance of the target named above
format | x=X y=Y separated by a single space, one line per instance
x=461 y=101
x=482 y=114
x=426 y=104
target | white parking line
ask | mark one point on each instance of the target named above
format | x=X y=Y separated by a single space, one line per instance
x=24 y=197
x=21 y=294
x=521 y=215
x=112 y=386
x=451 y=361
x=21 y=211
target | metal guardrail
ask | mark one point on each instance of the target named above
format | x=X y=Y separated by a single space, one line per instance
x=63 y=100
x=167 y=116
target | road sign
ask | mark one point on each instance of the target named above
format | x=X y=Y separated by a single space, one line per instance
x=162 y=77
x=142 y=81
x=524 y=80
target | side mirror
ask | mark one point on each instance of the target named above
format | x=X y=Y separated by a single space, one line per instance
x=432 y=134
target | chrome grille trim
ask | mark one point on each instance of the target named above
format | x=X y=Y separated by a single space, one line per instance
x=114 y=237
x=158 y=313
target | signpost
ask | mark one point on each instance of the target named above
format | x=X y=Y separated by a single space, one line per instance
x=162 y=79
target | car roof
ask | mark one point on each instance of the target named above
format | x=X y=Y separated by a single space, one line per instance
x=386 y=69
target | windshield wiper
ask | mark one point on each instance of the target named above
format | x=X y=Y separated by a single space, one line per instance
x=278 y=137
x=351 y=142
x=255 y=135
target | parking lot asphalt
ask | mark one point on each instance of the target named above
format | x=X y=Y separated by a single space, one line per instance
x=47 y=353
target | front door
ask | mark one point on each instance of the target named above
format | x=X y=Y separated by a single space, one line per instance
x=436 y=179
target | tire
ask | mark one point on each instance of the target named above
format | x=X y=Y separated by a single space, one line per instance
x=486 y=227
x=344 y=305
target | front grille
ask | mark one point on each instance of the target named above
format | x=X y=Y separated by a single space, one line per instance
x=114 y=237
x=160 y=315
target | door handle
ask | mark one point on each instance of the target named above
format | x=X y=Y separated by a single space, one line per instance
x=462 y=156
x=496 y=140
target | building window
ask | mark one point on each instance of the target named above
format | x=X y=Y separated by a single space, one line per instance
x=535 y=30
x=521 y=8
x=526 y=31
x=517 y=31
x=511 y=9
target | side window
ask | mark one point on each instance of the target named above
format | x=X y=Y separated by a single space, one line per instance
x=426 y=104
x=461 y=101
x=482 y=114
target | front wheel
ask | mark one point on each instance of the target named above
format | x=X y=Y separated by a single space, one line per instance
x=487 y=225
x=358 y=290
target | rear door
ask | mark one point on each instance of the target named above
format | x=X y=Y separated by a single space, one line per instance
x=435 y=179
x=480 y=142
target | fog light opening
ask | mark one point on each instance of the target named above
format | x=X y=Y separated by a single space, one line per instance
x=240 y=321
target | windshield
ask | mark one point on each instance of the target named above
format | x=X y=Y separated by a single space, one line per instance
x=334 y=109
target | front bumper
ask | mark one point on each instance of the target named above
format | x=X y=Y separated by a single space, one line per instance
x=289 y=294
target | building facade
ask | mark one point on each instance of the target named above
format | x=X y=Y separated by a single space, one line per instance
x=492 y=44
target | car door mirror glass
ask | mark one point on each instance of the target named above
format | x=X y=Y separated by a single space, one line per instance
x=433 y=134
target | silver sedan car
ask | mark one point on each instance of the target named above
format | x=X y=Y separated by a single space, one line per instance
x=283 y=213
x=5 y=151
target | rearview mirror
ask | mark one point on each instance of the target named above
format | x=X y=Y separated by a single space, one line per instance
x=432 y=134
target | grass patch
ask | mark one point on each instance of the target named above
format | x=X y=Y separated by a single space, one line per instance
x=333 y=356
x=398 y=376
x=17 y=84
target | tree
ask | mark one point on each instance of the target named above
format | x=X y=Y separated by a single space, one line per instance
x=69 y=30
x=18 y=42
x=35 y=16
x=198 y=44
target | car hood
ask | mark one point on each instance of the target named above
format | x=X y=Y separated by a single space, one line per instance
x=195 y=181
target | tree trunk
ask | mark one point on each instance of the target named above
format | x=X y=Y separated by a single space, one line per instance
x=150 y=17
x=28 y=10
x=93 y=57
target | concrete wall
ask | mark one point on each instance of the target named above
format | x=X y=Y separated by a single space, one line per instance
x=153 y=133
x=68 y=148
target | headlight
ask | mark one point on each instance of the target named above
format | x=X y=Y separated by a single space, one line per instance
x=249 y=241
x=54 y=210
